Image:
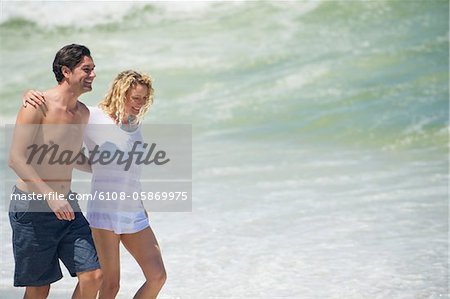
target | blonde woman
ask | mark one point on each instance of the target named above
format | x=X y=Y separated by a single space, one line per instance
x=123 y=108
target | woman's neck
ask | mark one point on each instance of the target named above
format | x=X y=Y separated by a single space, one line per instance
x=128 y=123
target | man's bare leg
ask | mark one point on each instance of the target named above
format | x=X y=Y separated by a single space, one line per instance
x=36 y=292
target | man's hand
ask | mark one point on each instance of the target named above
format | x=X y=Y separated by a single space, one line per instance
x=33 y=97
x=62 y=209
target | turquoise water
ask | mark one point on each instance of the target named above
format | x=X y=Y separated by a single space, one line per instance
x=320 y=137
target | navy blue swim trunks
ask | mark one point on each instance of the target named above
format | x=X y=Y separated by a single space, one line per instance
x=40 y=240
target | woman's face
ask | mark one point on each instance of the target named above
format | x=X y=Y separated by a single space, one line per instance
x=137 y=96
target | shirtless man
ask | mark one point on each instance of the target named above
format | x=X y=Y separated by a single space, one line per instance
x=45 y=231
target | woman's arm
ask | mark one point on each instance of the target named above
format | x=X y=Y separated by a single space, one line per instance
x=33 y=97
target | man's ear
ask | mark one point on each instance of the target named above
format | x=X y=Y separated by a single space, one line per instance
x=65 y=71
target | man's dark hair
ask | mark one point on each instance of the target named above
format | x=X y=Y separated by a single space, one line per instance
x=68 y=56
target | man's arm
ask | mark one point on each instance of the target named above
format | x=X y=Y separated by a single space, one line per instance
x=25 y=130
x=27 y=126
x=84 y=164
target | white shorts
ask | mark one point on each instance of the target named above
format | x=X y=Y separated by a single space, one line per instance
x=118 y=222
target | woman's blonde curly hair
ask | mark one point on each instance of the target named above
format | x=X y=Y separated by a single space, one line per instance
x=114 y=102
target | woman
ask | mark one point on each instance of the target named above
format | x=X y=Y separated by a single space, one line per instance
x=112 y=222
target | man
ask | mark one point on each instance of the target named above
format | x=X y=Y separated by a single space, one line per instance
x=49 y=230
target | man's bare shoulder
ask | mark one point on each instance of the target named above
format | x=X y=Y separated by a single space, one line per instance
x=84 y=111
x=30 y=115
x=83 y=107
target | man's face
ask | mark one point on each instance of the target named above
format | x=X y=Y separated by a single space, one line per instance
x=83 y=75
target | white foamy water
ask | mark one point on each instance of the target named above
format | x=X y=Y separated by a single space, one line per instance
x=345 y=225
x=54 y=13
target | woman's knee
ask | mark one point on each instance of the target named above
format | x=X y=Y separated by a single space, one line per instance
x=158 y=277
x=92 y=278
x=111 y=286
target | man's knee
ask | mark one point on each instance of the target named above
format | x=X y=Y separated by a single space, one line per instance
x=37 y=292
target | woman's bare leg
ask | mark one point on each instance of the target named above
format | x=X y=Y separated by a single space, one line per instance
x=145 y=249
x=89 y=283
x=107 y=245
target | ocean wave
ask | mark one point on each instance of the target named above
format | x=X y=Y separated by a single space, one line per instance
x=55 y=14
x=89 y=14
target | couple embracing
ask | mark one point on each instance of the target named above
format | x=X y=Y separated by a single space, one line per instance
x=53 y=229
